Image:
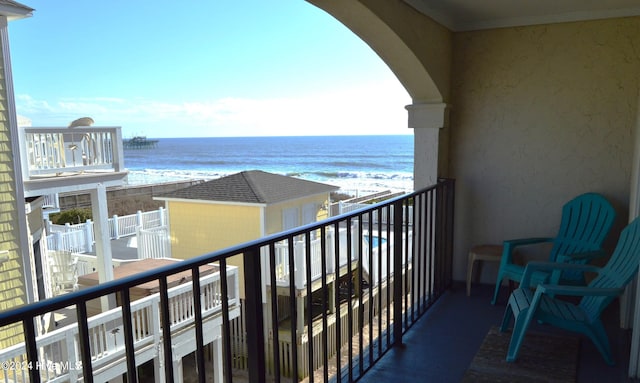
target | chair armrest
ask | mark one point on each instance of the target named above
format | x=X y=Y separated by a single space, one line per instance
x=579 y=290
x=527 y=241
x=549 y=267
x=582 y=256
x=510 y=244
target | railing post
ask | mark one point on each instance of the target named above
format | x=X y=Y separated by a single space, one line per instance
x=139 y=219
x=161 y=216
x=88 y=237
x=253 y=310
x=58 y=240
x=397 y=275
x=142 y=244
x=298 y=256
x=116 y=230
x=450 y=214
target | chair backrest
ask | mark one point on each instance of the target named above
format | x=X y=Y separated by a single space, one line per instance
x=619 y=270
x=586 y=221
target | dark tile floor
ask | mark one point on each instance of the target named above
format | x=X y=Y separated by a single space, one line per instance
x=441 y=345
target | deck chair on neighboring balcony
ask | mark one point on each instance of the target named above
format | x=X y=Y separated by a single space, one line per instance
x=545 y=303
x=586 y=221
x=64 y=271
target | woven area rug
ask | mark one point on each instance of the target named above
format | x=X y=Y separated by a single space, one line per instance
x=542 y=358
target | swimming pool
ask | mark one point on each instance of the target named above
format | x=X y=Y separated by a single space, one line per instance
x=375 y=240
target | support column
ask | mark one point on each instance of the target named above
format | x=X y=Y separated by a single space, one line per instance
x=178 y=374
x=218 y=357
x=103 y=241
x=431 y=142
x=629 y=306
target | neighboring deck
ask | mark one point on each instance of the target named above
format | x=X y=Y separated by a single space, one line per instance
x=107 y=332
x=441 y=345
x=68 y=159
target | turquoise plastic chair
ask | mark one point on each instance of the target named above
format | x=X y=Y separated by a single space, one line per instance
x=586 y=221
x=545 y=303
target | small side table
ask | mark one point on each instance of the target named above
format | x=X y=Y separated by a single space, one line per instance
x=491 y=253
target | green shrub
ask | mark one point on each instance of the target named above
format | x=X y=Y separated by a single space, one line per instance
x=72 y=216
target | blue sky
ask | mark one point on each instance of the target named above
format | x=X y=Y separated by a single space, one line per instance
x=201 y=68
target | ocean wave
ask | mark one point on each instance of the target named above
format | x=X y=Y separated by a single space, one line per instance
x=358 y=182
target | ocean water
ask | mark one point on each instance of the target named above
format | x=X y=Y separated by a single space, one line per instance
x=357 y=164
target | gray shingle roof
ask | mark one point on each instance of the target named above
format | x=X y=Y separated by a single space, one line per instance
x=253 y=186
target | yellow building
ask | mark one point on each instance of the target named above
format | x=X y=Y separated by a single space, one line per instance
x=239 y=208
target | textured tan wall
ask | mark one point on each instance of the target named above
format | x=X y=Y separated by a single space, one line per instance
x=540 y=114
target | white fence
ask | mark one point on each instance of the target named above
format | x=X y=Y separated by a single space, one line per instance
x=49 y=151
x=58 y=351
x=75 y=241
x=374 y=256
x=154 y=243
x=80 y=238
x=345 y=207
x=51 y=201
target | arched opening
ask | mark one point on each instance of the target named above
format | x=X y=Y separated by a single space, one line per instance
x=418 y=51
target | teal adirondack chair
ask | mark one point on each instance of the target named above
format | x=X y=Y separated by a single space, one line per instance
x=545 y=304
x=586 y=221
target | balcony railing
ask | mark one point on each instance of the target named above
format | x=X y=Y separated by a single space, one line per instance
x=80 y=238
x=335 y=328
x=49 y=152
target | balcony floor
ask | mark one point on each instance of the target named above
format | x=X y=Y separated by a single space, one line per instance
x=441 y=345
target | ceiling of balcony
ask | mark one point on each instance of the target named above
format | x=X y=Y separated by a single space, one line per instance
x=467 y=15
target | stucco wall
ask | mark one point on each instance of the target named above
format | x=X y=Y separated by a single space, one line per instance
x=539 y=115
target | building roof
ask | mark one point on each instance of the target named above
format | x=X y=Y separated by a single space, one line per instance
x=14 y=10
x=253 y=186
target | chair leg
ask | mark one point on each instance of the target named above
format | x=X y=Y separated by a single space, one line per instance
x=497 y=289
x=599 y=337
x=470 y=273
x=517 y=336
x=506 y=319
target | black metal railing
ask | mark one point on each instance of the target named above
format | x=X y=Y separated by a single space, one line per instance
x=322 y=302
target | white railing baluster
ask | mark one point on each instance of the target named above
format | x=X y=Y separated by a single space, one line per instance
x=107 y=347
x=57 y=150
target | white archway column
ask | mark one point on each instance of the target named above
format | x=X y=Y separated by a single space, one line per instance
x=431 y=142
x=630 y=300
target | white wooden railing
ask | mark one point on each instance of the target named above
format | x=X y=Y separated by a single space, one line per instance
x=80 y=237
x=75 y=241
x=59 y=360
x=377 y=272
x=345 y=207
x=128 y=225
x=51 y=201
x=50 y=151
x=153 y=243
